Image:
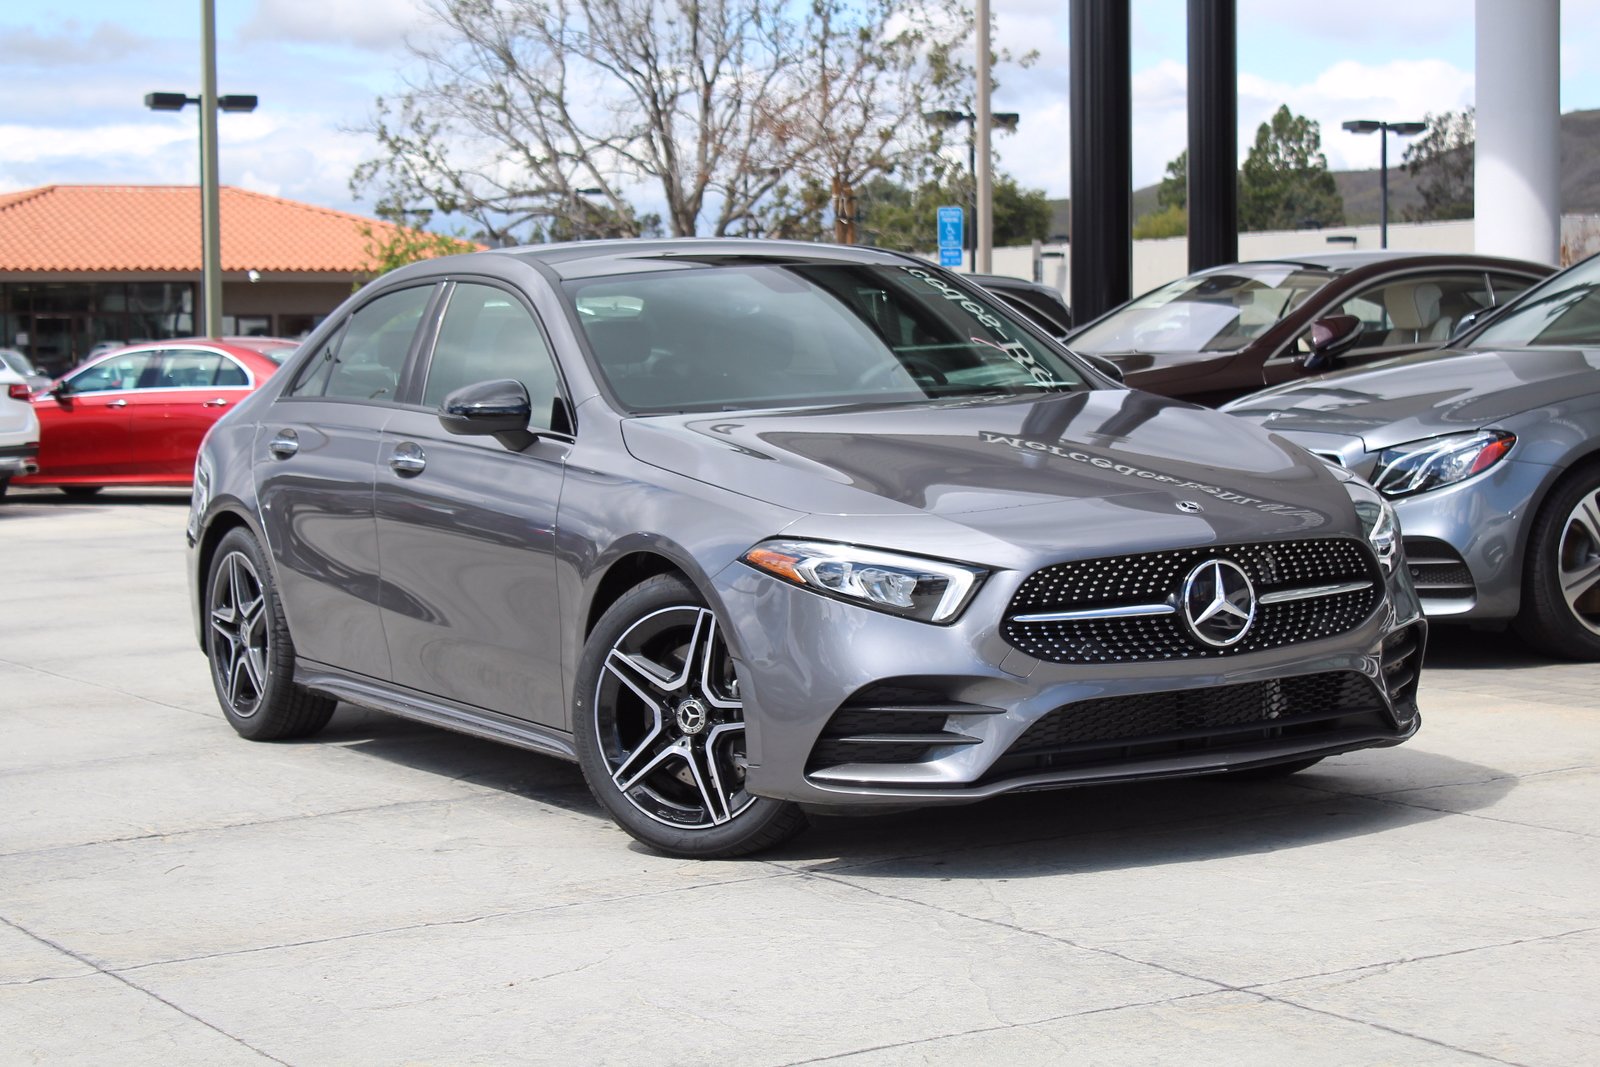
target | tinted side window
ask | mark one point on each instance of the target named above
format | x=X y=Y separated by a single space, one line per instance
x=487 y=334
x=188 y=369
x=1507 y=287
x=364 y=362
x=1419 y=309
x=117 y=373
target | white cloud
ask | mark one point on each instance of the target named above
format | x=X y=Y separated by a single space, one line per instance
x=375 y=25
x=106 y=42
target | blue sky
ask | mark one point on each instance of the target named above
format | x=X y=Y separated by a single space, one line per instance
x=73 y=76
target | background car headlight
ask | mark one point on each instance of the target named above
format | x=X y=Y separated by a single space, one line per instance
x=1422 y=465
x=925 y=589
x=1382 y=528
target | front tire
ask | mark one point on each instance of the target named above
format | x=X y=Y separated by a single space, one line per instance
x=1561 y=582
x=250 y=650
x=659 y=727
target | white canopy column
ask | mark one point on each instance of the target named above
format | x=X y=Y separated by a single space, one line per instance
x=1518 y=180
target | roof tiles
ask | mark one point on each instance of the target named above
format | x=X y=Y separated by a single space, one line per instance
x=140 y=228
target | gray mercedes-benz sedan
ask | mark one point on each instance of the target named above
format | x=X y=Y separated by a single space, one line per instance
x=1490 y=450
x=746 y=527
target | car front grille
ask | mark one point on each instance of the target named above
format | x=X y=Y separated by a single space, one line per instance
x=1148 y=726
x=1286 y=576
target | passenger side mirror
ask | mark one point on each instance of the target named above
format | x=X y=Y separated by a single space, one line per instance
x=61 y=388
x=499 y=409
x=1331 y=337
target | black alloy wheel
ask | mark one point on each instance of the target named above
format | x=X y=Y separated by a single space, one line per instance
x=250 y=651
x=660 y=728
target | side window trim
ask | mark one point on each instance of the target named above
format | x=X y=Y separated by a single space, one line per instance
x=436 y=323
x=337 y=340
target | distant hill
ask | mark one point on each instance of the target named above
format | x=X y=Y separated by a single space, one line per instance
x=1580 y=181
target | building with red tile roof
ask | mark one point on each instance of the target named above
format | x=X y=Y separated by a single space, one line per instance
x=81 y=264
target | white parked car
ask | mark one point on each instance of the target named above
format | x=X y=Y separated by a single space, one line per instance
x=19 y=427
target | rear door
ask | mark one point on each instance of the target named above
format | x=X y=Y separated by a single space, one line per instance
x=466 y=527
x=195 y=387
x=316 y=457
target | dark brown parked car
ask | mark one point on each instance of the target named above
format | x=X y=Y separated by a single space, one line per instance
x=1230 y=330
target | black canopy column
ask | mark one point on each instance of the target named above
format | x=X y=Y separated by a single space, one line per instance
x=1102 y=167
x=1213 y=134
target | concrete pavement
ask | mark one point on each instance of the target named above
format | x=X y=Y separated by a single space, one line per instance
x=389 y=893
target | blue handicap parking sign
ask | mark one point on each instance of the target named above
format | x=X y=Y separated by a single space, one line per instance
x=951 y=223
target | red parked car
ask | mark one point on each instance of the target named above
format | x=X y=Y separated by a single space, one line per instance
x=135 y=415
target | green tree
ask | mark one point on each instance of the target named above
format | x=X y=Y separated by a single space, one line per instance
x=1174 y=189
x=1441 y=160
x=1284 y=183
x=896 y=216
x=402 y=237
x=1168 y=222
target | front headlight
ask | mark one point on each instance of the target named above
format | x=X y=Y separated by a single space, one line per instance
x=925 y=589
x=1422 y=465
x=1382 y=528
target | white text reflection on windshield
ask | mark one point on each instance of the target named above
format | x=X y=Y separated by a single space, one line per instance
x=698 y=336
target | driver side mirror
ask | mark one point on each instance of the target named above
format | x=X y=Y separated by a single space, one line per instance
x=1331 y=337
x=499 y=409
x=61 y=388
x=1105 y=366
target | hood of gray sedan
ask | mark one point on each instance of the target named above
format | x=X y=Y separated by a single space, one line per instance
x=1095 y=464
x=1426 y=394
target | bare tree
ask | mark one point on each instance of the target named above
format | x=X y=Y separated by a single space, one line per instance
x=524 y=109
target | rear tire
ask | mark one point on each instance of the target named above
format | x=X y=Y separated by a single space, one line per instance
x=659 y=728
x=250 y=651
x=1561 y=578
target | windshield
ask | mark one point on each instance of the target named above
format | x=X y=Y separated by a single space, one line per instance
x=1564 y=311
x=764 y=334
x=1212 y=312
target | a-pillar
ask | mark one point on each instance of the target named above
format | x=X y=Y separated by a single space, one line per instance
x=1518 y=181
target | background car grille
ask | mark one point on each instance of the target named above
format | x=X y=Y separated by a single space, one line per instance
x=1147 y=726
x=1154 y=578
x=1437 y=570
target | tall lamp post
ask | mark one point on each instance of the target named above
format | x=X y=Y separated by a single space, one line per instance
x=1004 y=120
x=1383 y=130
x=210 y=232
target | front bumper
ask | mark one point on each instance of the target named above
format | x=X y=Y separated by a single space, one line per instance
x=967 y=700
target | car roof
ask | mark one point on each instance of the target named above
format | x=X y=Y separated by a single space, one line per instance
x=588 y=259
x=1342 y=261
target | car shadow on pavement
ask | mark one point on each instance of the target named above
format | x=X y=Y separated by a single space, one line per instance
x=1023 y=835
x=1463 y=648
x=20 y=500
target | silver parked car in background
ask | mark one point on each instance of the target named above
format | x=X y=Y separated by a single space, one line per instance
x=1490 y=452
x=746 y=526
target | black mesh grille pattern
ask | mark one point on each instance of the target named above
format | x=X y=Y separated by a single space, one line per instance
x=1127 y=720
x=1155 y=578
x=1438 y=569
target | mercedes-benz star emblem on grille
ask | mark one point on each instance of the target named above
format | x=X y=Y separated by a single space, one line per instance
x=1219 y=603
x=1188 y=507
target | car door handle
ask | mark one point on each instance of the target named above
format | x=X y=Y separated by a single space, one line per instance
x=285 y=444
x=117 y=404
x=408 y=459
x=219 y=402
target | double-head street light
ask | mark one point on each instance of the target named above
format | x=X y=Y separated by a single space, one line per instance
x=1383 y=130
x=210 y=233
x=978 y=236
